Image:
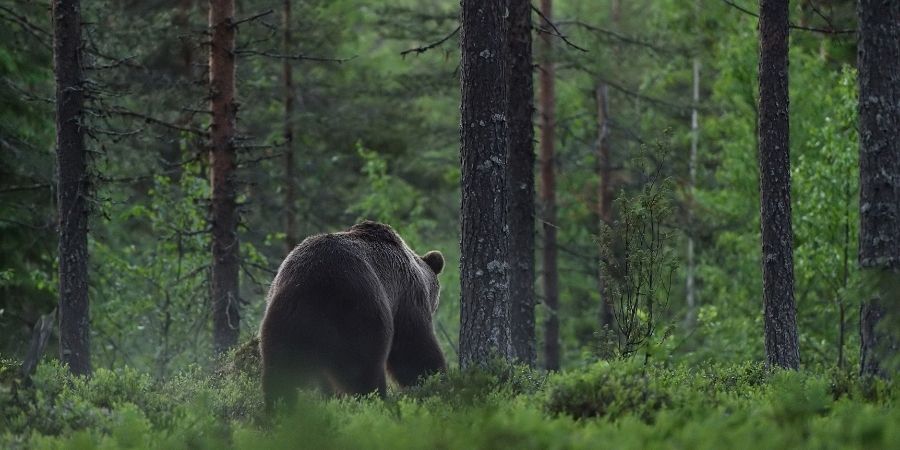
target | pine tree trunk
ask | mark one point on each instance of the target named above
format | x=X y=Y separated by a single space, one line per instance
x=879 y=170
x=484 y=264
x=172 y=154
x=548 y=193
x=521 y=183
x=689 y=288
x=74 y=187
x=225 y=244
x=782 y=347
x=290 y=232
x=604 y=197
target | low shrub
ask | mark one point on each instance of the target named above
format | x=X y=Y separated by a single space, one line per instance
x=607 y=390
x=617 y=404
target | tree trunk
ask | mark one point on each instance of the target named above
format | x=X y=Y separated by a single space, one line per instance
x=74 y=188
x=879 y=120
x=172 y=154
x=40 y=335
x=484 y=264
x=548 y=193
x=616 y=8
x=290 y=232
x=521 y=183
x=182 y=20
x=775 y=187
x=691 y=316
x=225 y=244
x=604 y=197
x=879 y=170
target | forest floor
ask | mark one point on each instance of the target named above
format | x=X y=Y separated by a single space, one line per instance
x=622 y=404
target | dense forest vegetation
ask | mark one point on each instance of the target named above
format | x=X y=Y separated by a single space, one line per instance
x=666 y=223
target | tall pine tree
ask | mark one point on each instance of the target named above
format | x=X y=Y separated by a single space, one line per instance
x=879 y=175
x=484 y=268
x=782 y=348
x=222 y=162
x=74 y=187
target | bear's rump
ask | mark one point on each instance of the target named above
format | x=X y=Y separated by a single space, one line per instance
x=327 y=312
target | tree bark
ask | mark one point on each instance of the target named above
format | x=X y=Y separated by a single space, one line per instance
x=484 y=263
x=879 y=120
x=782 y=347
x=691 y=316
x=879 y=174
x=225 y=244
x=548 y=193
x=521 y=183
x=604 y=197
x=74 y=187
x=290 y=232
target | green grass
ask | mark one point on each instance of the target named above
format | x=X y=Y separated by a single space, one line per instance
x=620 y=404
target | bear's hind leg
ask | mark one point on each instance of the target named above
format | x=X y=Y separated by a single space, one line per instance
x=415 y=353
x=361 y=380
x=279 y=383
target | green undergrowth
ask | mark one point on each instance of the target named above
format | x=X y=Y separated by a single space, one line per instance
x=619 y=404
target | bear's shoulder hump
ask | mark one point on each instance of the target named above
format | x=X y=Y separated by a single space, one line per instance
x=375 y=231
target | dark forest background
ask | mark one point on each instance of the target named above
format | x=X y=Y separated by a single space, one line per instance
x=656 y=115
x=376 y=137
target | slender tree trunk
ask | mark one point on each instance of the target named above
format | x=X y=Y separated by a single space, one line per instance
x=782 y=347
x=290 y=232
x=484 y=262
x=225 y=244
x=172 y=154
x=40 y=335
x=521 y=183
x=182 y=21
x=879 y=169
x=842 y=304
x=691 y=264
x=74 y=187
x=607 y=309
x=604 y=198
x=548 y=193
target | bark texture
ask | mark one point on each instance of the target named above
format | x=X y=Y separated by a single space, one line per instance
x=74 y=187
x=604 y=197
x=521 y=183
x=879 y=170
x=876 y=345
x=484 y=265
x=290 y=195
x=224 y=217
x=879 y=126
x=548 y=192
x=775 y=187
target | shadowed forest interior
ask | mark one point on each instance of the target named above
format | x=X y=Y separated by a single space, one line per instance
x=662 y=223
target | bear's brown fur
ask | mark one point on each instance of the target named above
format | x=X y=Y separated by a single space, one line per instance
x=343 y=308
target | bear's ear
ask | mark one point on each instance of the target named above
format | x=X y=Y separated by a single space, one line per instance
x=435 y=260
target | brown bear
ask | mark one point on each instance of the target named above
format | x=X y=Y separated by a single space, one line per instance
x=343 y=308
